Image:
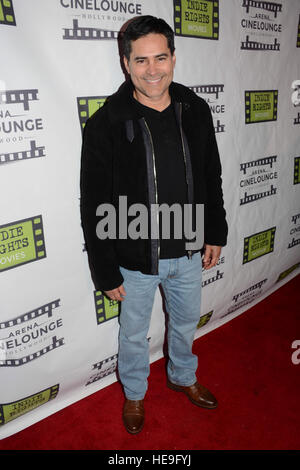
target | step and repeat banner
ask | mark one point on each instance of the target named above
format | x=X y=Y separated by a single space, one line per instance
x=59 y=62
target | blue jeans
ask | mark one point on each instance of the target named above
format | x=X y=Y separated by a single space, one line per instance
x=181 y=282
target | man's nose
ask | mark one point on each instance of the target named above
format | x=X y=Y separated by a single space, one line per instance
x=152 y=67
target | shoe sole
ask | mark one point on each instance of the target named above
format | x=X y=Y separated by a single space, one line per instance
x=176 y=388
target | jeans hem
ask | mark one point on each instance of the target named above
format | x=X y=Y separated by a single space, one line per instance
x=134 y=399
x=182 y=385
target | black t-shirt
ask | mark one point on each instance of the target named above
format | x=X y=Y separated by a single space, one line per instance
x=170 y=171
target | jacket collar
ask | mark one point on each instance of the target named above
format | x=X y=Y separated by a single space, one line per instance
x=121 y=107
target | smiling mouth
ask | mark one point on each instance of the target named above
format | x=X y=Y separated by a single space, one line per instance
x=153 y=81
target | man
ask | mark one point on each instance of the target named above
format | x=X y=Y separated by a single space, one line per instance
x=154 y=143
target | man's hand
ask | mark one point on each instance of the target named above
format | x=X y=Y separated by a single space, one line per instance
x=211 y=255
x=116 y=294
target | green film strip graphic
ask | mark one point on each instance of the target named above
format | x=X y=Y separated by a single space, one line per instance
x=56 y=343
x=21 y=242
x=255 y=197
x=12 y=410
x=196 y=19
x=87 y=106
x=258 y=244
x=297 y=170
x=18 y=96
x=7 y=15
x=37 y=225
x=33 y=152
x=259 y=46
x=298 y=34
x=84 y=33
x=287 y=272
x=260 y=106
x=106 y=309
x=204 y=319
x=46 y=309
x=259 y=162
x=263 y=5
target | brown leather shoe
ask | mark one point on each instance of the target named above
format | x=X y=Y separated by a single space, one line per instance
x=133 y=415
x=197 y=394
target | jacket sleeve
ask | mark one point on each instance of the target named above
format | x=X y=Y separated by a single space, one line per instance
x=215 y=225
x=96 y=179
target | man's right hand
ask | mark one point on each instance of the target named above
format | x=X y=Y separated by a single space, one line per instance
x=116 y=294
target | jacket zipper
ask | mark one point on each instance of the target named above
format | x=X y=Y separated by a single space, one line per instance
x=155 y=181
x=190 y=254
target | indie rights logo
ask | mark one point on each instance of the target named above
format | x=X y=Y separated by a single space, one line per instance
x=197 y=19
x=258 y=244
x=10 y=411
x=21 y=242
x=138 y=227
x=261 y=106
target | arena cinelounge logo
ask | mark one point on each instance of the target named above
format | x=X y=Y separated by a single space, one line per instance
x=10 y=411
x=106 y=309
x=17 y=126
x=209 y=276
x=257 y=175
x=104 y=368
x=295 y=230
x=245 y=297
x=214 y=278
x=261 y=25
x=7 y=15
x=87 y=106
x=97 y=19
x=197 y=19
x=261 y=106
x=215 y=104
x=30 y=335
x=258 y=244
x=21 y=242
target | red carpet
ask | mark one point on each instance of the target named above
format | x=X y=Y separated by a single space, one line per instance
x=246 y=363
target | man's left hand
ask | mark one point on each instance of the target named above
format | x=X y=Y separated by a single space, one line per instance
x=211 y=255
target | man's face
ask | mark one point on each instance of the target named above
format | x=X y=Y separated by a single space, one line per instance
x=151 y=66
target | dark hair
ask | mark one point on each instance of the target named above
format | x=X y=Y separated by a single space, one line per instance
x=143 y=25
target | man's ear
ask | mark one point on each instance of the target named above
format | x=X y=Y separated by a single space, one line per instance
x=126 y=64
x=174 y=59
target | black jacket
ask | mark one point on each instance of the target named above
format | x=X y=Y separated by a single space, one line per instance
x=118 y=160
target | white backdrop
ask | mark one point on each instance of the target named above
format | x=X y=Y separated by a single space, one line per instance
x=59 y=60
